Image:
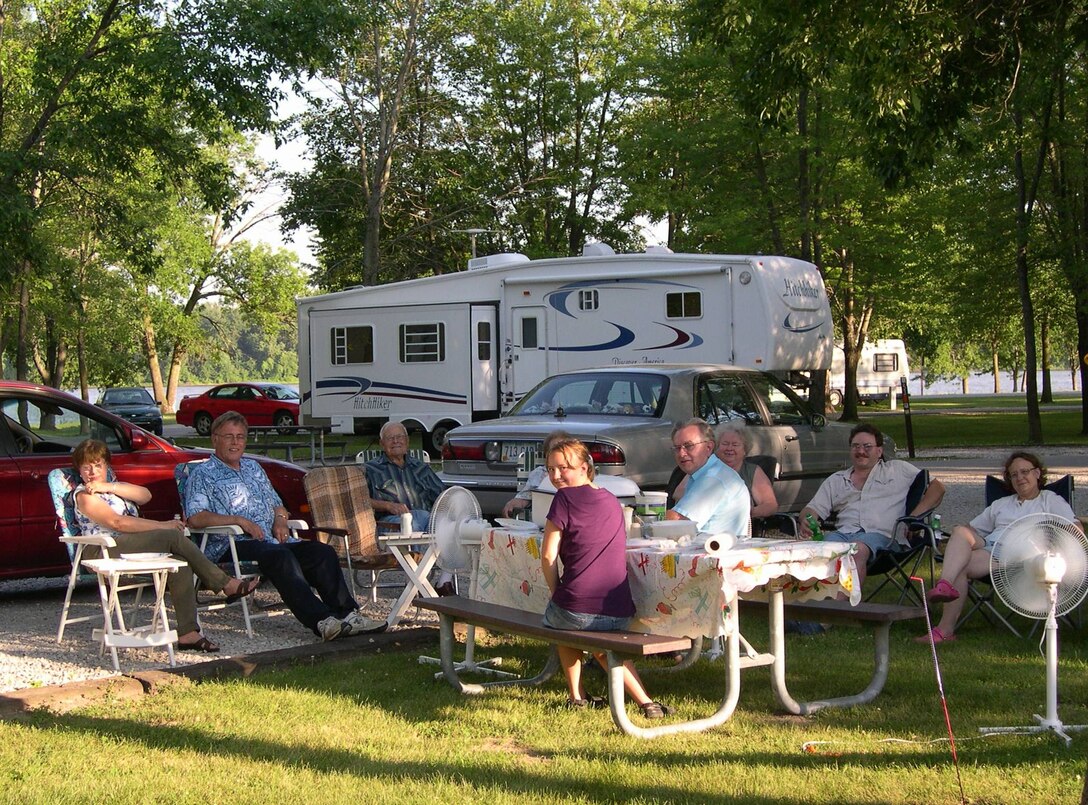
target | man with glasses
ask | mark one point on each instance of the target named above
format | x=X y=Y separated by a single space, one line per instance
x=228 y=489
x=868 y=497
x=401 y=484
x=715 y=498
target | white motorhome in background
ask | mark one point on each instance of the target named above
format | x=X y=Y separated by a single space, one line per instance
x=443 y=351
x=880 y=366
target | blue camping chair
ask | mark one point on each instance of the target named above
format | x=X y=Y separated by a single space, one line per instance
x=915 y=538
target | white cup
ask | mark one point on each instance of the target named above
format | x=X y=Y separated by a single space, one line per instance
x=406 y=524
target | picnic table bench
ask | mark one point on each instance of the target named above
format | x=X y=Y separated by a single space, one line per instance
x=616 y=645
x=879 y=616
x=266 y=448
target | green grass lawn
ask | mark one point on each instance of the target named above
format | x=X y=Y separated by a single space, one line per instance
x=982 y=429
x=380 y=729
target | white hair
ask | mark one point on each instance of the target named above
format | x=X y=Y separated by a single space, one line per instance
x=737 y=426
x=392 y=423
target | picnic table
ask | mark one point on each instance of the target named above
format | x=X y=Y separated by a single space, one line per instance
x=267 y=439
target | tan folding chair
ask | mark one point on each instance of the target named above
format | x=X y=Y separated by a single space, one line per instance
x=340 y=504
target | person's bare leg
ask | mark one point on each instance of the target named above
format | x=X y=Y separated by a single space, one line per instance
x=978 y=565
x=632 y=683
x=571 y=661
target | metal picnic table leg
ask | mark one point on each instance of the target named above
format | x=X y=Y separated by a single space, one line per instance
x=447 y=643
x=725 y=711
x=778 y=667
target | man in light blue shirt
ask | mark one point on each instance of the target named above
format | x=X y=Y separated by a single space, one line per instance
x=715 y=497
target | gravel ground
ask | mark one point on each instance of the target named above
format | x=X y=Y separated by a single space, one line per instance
x=29 y=609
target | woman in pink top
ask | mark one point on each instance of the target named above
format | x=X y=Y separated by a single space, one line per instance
x=585 y=529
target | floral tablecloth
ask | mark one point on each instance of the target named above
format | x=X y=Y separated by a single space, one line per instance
x=679 y=590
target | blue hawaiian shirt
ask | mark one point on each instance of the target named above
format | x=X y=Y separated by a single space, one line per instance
x=245 y=492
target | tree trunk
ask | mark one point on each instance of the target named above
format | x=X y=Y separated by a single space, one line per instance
x=997 y=369
x=1044 y=339
x=965 y=381
x=151 y=353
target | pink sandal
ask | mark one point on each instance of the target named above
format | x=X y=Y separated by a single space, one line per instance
x=936 y=636
x=942 y=593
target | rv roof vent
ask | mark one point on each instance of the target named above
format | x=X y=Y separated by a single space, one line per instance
x=659 y=248
x=495 y=260
x=597 y=250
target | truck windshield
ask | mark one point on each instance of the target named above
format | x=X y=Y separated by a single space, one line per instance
x=634 y=395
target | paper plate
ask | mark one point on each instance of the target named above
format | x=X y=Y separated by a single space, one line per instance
x=516 y=525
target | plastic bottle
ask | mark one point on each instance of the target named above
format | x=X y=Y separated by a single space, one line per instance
x=937 y=526
x=814 y=527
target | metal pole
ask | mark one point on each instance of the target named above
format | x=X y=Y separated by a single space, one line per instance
x=906 y=415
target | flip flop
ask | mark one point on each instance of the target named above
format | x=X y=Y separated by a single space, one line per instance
x=247 y=588
x=203 y=644
x=942 y=593
x=937 y=636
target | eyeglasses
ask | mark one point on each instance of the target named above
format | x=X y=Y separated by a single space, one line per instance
x=231 y=437
x=687 y=447
x=1023 y=473
x=864 y=448
x=400 y=437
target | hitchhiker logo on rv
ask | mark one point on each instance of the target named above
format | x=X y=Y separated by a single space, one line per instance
x=803 y=288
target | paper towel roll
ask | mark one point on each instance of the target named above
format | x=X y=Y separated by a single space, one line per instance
x=718 y=544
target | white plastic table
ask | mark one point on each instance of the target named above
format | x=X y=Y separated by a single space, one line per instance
x=115 y=632
x=400 y=546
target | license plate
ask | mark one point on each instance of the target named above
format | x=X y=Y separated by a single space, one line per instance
x=521 y=453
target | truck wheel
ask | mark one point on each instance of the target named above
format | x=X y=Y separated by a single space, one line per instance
x=434 y=440
x=203 y=423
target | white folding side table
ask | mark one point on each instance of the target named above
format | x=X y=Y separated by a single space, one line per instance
x=116 y=633
x=417 y=573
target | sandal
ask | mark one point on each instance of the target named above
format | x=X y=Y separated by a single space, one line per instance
x=247 y=588
x=656 y=710
x=203 y=644
x=936 y=636
x=942 y=593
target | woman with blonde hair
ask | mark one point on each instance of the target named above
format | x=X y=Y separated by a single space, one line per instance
x=585 y=529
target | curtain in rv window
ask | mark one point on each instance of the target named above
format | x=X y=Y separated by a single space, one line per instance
x=352 y=345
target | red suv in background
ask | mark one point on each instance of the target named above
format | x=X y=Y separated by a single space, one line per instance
x=39 y=426
x=260 y=403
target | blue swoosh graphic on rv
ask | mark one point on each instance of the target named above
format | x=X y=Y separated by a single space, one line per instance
x=683 y=340
x=625 y=337
x=794 y=329
x=348 y=387
x=558 y=298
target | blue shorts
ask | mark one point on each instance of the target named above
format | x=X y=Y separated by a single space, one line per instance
x=555 y=617
x=874 y=541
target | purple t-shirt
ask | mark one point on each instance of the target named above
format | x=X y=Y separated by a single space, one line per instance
x=592 y=549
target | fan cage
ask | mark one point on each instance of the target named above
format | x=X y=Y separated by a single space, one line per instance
x=1016 y=558
x=453 y=507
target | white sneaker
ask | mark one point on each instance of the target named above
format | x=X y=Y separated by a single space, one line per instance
x=332 y=628
x=360 y=624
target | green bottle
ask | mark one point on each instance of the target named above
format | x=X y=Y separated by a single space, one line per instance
x=814 y=527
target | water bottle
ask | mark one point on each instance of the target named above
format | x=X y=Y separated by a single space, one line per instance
x=937 y=526
x=814 y=527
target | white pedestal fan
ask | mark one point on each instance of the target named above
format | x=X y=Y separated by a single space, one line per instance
x=1039 y=568
x=458 y=530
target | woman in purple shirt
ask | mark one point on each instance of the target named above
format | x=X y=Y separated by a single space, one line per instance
x=585 y=529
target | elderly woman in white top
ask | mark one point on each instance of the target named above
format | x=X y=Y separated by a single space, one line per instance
x=968 y=553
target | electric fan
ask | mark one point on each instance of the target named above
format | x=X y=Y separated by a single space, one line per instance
x=1039 y=568
x=457 y=528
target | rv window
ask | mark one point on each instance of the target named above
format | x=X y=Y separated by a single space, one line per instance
x=725 y=397
x=688 y=305
x=528 y=333
x=588 y=299
x=483 y=340
x=885 y=362
x=423 y=343
x=352 y=345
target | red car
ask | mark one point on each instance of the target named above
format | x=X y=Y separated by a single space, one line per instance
x=39 y=426
x=259 y=403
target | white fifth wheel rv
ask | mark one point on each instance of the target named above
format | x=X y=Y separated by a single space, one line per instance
x=880 y=366
x=443 y=351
